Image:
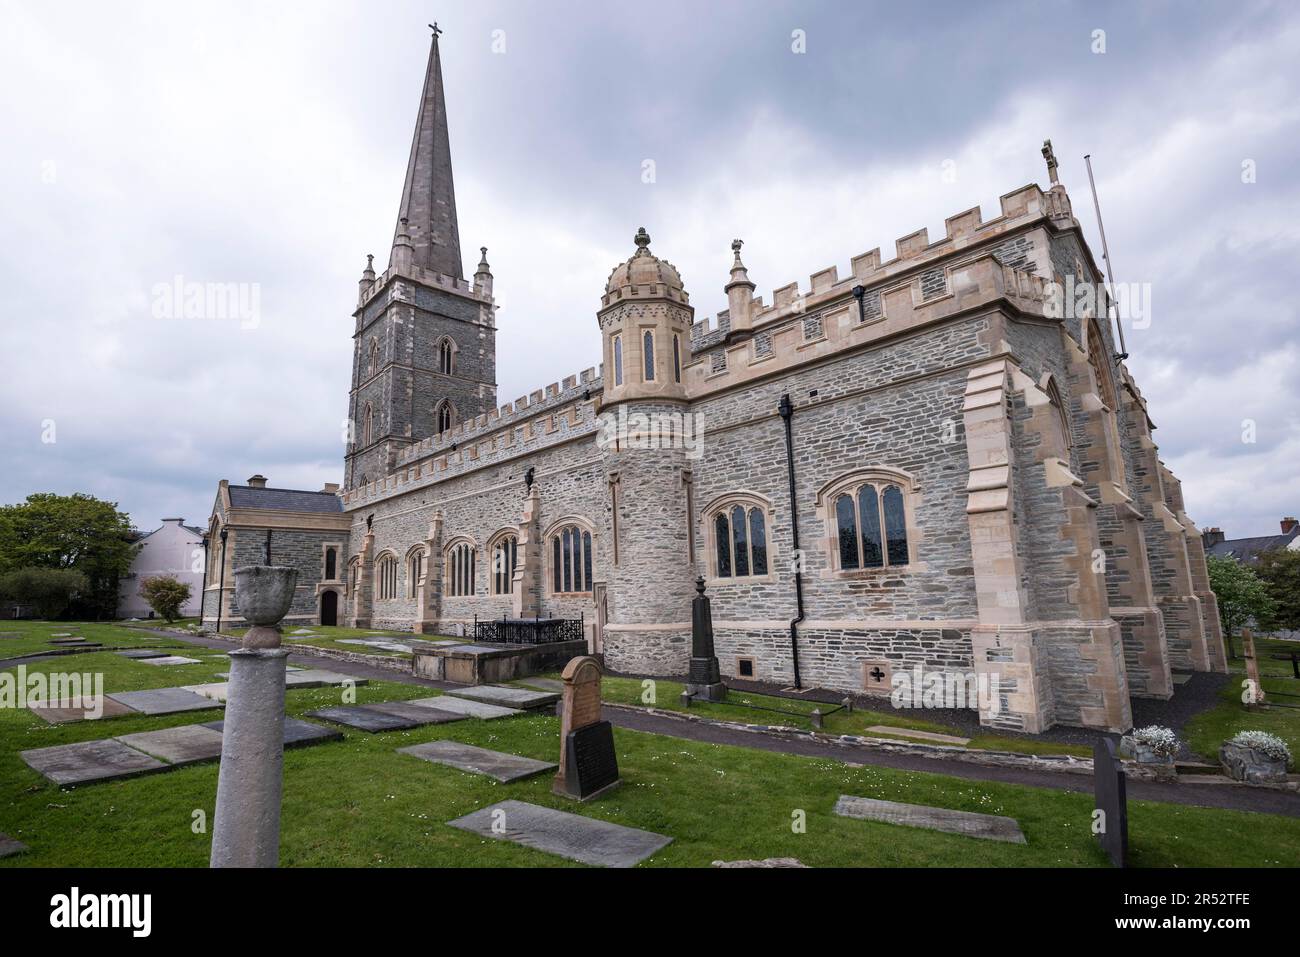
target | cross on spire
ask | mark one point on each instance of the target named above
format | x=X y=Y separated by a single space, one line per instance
x=434 y=27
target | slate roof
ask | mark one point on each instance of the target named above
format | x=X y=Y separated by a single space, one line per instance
x=1248 y=549
x=287 y=499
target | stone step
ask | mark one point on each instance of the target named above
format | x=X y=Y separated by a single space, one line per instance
x=929 y=736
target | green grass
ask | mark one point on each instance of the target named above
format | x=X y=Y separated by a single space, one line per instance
x=1209 y=729
x=35 y=637
x=358 y=803
x=667 y=697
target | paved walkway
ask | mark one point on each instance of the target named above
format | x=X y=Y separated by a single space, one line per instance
x=1263 y=800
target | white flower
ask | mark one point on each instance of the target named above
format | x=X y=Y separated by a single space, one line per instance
x=1159 y=739
x=1269 y=744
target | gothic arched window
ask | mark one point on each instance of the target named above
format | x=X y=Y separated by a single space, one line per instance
x=372 y=362
x=445 y=416
x=367 y=425
x=505 y=554
x=738 y=537
x=648 y=347
x=677 y=358
x=386 y=577
x=460 y=568
x=414 y=571
x=446 y=357
x=331 y=564
x=618 y=360
x=571 y=560
x=869 y=515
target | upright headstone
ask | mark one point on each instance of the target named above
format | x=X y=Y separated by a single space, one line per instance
x=1109 y=787
x=246 y=825
x=588 y=764
x=704 y=680
x=1256 y=689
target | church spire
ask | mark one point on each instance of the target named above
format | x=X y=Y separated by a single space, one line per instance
x=428 y=199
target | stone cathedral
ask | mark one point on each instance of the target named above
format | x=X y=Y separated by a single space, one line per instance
x=927 y=462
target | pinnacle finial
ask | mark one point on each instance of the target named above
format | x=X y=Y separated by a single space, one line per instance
x=735 y=248
x=1049 y=156
x=642 y=238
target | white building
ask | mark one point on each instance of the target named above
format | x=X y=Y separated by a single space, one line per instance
x=175 y=549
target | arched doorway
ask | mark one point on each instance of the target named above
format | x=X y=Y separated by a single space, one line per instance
x=329 y=608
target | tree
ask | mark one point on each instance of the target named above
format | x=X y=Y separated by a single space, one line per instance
x=77 y=532
x=1241 y=594
x=51 y=590
x=165 y=595
x=1280 y=570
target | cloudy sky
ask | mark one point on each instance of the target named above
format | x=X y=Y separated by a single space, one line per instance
x=265 y=144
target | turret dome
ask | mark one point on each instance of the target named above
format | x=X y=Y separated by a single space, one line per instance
x=644 y=275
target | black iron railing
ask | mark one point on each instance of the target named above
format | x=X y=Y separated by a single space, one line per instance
x=528 y=631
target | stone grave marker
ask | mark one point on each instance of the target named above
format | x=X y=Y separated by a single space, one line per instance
x=10 y=846
x=1252 y=665
x=79 y=709
x=588 y=764
x=158 y=701
x=1111 y=795
x=88 y=761
x=506 y=697
x=466 y=757
x=472 y=709
x=183 y=745
x=578 y=838
x=991 y=827
x=296 y=732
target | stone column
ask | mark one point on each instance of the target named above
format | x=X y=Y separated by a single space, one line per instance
x=246 y=825
x=363 y=594
x=527 y=594
x=430 y=614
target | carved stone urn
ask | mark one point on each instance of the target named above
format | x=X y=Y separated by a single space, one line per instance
x=264 y=594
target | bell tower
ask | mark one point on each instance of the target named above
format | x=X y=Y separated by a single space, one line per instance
x=424 y=341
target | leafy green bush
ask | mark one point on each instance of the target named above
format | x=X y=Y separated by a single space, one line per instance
x=165 y=596
x=50 y=590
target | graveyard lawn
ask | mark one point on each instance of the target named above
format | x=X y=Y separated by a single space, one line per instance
x=1209 y=729
x=34 y=638
x=358 y=802
x=629 y=691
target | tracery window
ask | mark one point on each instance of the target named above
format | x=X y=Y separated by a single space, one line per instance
x=414 y=571
x=460 y=569
x=868 y=514
x=446 y=357
x=738 y=531
x=386 y=577
x=571 y=560
x=505 y=554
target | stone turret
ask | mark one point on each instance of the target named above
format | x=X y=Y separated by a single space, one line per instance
x=645 y=323
x=483 y=275
x=367 y=282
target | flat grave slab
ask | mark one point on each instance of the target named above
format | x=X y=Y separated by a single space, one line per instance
x=171 y=660
x=164 y=701
x=319 y=678
x=76 y=709
x=218 y=691
x=465 y=757
x=472 y=709
x=89 y=761
x=930 y=736
x=988 y=826
x=9 y=846
x=364 y=719
x=142 y=653
x=60 y=634
x=545 y=684
x=184 y=745
x=568 y=835
x=415 y=712
x=75 y=643
x=296 y=732
x=507 y=697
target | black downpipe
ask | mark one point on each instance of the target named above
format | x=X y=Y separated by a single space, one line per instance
x=787 y=415
x=221 y=587
x=203 y=589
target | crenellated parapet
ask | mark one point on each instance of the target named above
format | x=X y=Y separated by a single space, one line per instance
x=837 y=325
x=562 y=411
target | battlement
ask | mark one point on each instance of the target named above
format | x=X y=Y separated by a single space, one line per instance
x=909 y=302
x=913 y=253
x=549 y=417
x=425 y=277
x=560 y=406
